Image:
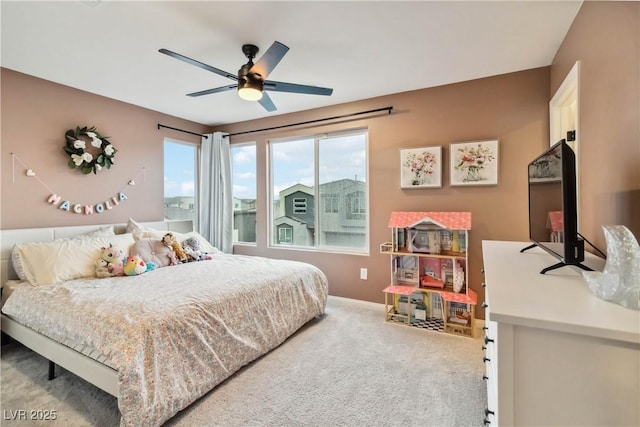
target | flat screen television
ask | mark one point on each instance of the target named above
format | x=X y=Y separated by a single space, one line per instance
x=553 y=210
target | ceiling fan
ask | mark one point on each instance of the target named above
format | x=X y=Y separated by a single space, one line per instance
x=251 y=80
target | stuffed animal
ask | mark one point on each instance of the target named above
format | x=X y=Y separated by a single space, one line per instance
x=191 y=247
x=173 y=260
x=135 y=265
x=101 y=268
x=170 y=240
x=114 y=262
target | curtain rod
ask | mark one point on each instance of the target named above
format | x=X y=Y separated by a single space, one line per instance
x=180 y=130
x=312 y=121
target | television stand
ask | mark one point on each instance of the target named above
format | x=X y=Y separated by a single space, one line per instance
x=558 y=265
x=562 y=264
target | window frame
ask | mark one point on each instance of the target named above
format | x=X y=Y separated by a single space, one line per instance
x=273 y=230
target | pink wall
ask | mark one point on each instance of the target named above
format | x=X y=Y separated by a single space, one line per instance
x=605 y=37
x=35 y=116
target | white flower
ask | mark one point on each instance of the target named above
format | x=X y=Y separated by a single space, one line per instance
x=108 y=150
x=87 y=157
x=78 y=143
x=77 y=159
x=95 y=141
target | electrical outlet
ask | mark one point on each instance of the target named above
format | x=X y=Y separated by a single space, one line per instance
x=363 y=273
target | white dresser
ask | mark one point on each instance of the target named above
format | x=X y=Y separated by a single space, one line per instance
x=555 y=353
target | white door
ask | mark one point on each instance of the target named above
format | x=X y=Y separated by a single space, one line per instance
x=564 y=118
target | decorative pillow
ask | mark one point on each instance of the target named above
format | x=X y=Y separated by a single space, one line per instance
x=135 y=228
x=139 y=231
x=46 y=263
x=152 y=250
x=101 y=232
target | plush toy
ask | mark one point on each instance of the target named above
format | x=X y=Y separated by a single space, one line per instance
x=191 y=247
x=135 y=265
x=173 y=260
x=101 y=268
x=114 y=264
x=170 y=240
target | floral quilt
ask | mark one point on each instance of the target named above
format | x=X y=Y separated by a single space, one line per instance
x=176 y=332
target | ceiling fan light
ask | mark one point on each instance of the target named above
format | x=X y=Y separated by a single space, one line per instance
x=250 y=93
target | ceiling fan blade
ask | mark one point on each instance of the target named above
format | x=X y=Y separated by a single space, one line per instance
x=269 y=59
x=199 y=64
x=296 y=88
x=215 y=90
x=266 y=102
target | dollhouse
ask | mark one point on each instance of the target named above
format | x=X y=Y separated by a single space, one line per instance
x=429 y=286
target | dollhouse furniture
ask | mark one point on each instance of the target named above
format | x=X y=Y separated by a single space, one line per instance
x=555 y=354
x=429 y=276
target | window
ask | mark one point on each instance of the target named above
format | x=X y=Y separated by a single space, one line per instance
x=331 y=169
x=285 y=234
x=331 y=203
x=180 y=160
x=243 y=164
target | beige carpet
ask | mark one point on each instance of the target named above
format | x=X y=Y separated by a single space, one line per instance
x=347 y=368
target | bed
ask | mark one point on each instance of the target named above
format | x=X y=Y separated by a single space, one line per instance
x=159 y=340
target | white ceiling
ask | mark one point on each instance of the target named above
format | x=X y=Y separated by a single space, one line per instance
x=360 y=49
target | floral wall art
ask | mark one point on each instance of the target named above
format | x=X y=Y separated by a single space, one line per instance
x=421 y=167
x=474 y=163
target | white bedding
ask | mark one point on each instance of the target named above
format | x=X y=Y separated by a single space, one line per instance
x=176 y=332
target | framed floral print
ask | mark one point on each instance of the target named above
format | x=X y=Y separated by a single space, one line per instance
x=421 y=167
x=474 y=163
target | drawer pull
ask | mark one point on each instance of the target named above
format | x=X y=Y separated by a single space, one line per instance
x=484 y=347
x=484 y=378
x=487 y=340
x=486 y=359
x=484 y=285
x=487 y=412
x=485 y=328
x=485 y=305
x=486 y=422
x=482 y=270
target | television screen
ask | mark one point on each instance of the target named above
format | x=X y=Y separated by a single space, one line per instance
x=553 y=210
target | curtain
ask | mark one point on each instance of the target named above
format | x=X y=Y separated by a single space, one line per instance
x=215 y=222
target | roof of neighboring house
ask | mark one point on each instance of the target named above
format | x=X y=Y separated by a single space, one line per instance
x=450 y=220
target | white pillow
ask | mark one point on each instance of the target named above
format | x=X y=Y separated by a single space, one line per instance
x=139 y=231
x=46 y=263
x=101 y=232
x=152 y=250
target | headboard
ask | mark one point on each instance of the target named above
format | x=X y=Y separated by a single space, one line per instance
x=8 y=238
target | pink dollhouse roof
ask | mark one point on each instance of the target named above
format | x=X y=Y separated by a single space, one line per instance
x=555 y=222
x=450 y=220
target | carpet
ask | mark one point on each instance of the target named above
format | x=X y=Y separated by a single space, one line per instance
x=346 y=368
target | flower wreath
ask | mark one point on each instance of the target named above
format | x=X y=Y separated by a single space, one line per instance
x=80 y=159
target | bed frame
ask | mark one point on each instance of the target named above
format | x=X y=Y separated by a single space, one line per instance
x=96 y=373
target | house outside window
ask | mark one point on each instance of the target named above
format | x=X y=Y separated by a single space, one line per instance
x=180 y=180
x=243 y=164
x=332 y=169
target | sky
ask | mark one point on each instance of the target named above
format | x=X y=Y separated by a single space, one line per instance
x=339 y=157
x=179 y=169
